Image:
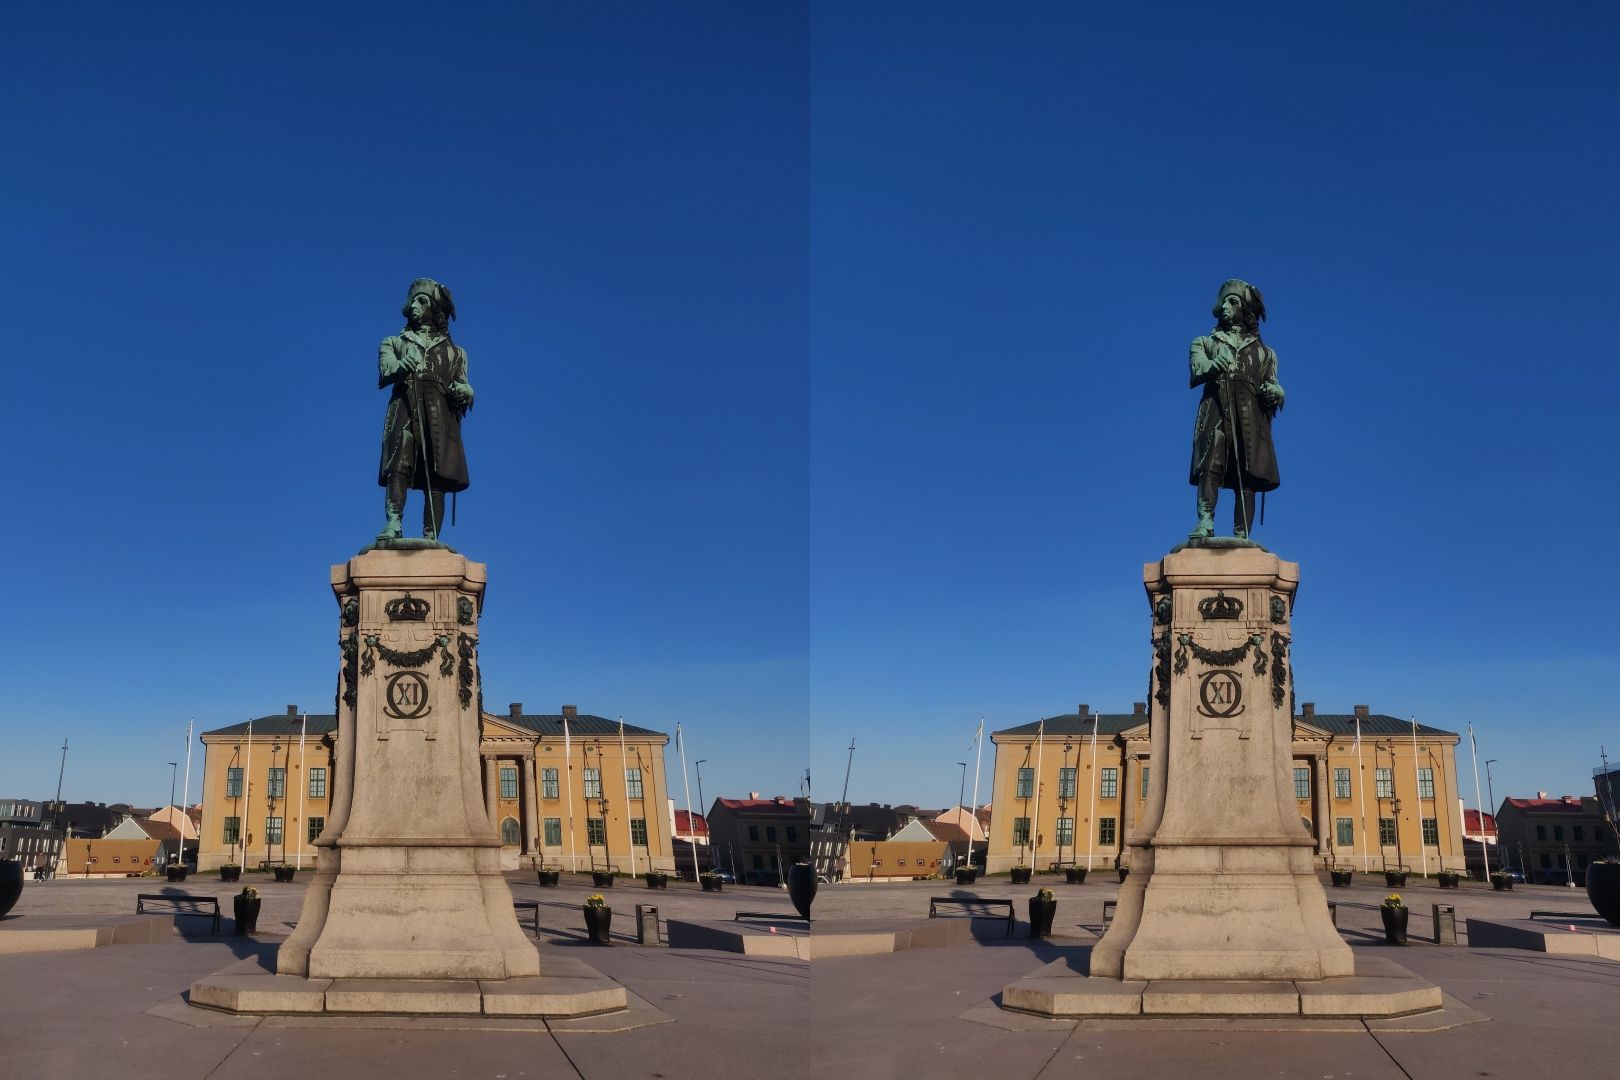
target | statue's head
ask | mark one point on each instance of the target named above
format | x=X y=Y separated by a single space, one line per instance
x=1239 y=306
x=428 y=305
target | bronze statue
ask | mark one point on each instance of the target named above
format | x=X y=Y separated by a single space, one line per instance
x=1232 y=445
x=421 y=443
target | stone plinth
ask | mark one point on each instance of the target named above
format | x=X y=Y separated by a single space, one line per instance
x=409 y=883
x=1569 y=936
x=1222 y=884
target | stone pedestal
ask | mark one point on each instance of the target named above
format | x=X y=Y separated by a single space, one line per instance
x=1222 y=884
x=409 y=883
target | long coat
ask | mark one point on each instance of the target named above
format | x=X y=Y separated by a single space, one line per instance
x=1236 y=395
x=445 y=365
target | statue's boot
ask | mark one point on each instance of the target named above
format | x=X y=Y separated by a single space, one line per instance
x=433 y=515
x=1206 y=515
x=393 y=504
x=1243 y=515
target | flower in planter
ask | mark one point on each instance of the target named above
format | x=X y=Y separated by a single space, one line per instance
x=249 y=893
x=1393 y=900
x=596 y=900
x=1046 y=894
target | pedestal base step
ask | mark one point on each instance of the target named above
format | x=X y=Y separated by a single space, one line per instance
x=55 y=933
x=822 y=942
x=1589 y=936
x=1379 y=988
x=569 y=988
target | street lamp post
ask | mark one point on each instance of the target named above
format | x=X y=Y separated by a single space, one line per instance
x=1063 y=801
x=270 y=807
x=1490 y=793
x=702 y=806
x=236 y=801
x=173 y=766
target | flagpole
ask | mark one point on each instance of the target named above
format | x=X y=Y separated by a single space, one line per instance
x=1361 y=794
x=303 y=791
x=573 y=852
x=1091 y=821
x=1035 y=826
x=247 y=794
x=691 y=830
x=185 y=800
x=978 y=757
x=624 y=770
x=1484 y=845
x=1417 y=784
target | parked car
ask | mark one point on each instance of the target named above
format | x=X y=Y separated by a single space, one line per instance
x=726 y=876
x=1511 y=871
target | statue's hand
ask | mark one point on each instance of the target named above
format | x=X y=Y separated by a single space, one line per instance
x=1222 y=362
x=1273 y=393
x=410 y=363
x=462 y=393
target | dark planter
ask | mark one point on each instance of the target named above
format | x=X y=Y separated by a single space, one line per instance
x=1449 y=880
x=657 y=881
x=284 y=873
x=967 y=876
x=1602 y=888
x=602 y=879
x=1394 y=924
x=1341 y=878
x=175 y=873
x=801 y=885
x=1395 y=879
x=549 y=877
x=230 y=873
x=247 y=914
x=1501 y=882
x=1124 y=872
x=1040 y=916
x=710 y=884
x=1074 y=875
x=598 y=920
x=11 y=884
x=1020 y=875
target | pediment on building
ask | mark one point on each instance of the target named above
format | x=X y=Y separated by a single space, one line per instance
x=1305 y=731
x=492 y=728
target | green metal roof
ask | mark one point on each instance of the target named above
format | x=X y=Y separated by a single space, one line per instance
x=1376 y=725
x=283 y=726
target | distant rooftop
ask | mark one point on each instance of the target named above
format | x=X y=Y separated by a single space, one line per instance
x=1084 y=722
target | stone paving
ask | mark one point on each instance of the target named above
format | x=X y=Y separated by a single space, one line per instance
x=118 y=1010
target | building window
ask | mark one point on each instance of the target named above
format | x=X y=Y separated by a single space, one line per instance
x=1105 y=830
x=548 y=783
x=593 y=783
x=1020 y=830
x=1065 y=832
x=1026 y=783
x=1302 y=782
x=632 y=783
x=1385 y=779
x=1580 y=835
x=233 y=783
x=1558 y=832
x=554 y=832
x=759 y=862
x=1425 y=783
x=317 y=783
x=278 y=783
x=1345 y=832
x=595 y=832
x=793 y=834
x=272 y=830
x=233 y=830
x=1144 y=781
x=1108 y=784
x=1431 y=831
x=1066 y=783
x=508 y=781
x=1386 y=831
x=1546 y=861
x=1341 y=783
x=753 y=833
x=770 y=834
x=316 y=826
x=509 y=832
x=1541 y=832
x=638 y=831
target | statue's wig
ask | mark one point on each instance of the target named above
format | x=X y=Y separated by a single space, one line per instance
x=1253 y=303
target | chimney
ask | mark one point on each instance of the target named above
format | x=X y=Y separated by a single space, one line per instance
x=515 y=709
x=570 y=710
x=1541 y=794
x=292 y=710
x=1361 y=711
x=753 y=794
x=1138 y=708
x=1308 y=708
x=1085 y=711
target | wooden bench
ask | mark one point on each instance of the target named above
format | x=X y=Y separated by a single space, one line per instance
x=529 y=905
x=934 y=903
x=769 y=916
x=180 y=904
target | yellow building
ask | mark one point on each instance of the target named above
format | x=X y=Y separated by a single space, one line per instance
x=590 y=795
x=1073 y=795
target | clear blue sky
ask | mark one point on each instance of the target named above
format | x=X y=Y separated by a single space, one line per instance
x=831 y=362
